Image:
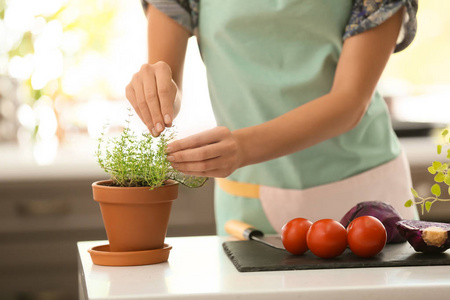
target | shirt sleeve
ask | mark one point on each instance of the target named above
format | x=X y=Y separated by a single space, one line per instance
x=367 y=14
x=184 y=12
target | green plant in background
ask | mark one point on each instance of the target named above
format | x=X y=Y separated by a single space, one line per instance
x=48 y=49
x=87 y=24
x=134 y=161
x=441 y=174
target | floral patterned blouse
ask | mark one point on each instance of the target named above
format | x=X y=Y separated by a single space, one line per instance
x=366 y=14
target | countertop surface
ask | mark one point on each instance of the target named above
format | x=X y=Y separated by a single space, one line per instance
x=198 y=268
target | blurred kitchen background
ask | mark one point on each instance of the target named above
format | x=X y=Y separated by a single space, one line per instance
x=64 y=66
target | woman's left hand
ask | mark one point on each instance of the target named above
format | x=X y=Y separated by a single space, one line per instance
x=212 y=153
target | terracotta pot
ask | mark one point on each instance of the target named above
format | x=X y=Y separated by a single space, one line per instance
x=135 y=218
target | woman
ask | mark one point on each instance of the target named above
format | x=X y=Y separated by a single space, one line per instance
x=302 y=131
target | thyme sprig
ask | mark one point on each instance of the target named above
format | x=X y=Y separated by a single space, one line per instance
x=441 y=174
x=135 y=161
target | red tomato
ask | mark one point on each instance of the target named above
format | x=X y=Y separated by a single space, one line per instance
x=366 y=236
x=327 y=238
x=293 y=235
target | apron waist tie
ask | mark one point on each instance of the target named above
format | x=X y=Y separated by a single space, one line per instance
x=240 y=189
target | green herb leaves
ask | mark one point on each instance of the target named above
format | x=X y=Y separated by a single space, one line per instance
x=436 y=190
x=442 y=175
x=409 y=203
x=134 y=161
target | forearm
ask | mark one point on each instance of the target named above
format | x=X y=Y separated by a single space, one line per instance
x=319 y=120
x=167 y=42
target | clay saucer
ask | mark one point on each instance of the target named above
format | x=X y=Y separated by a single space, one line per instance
x=101 y=255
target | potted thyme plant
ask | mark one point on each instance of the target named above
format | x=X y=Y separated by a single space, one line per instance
x=136 y=201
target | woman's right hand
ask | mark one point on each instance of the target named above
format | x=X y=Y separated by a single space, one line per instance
x=152 y=92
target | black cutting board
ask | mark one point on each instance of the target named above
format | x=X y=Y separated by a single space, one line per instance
x=252 y=256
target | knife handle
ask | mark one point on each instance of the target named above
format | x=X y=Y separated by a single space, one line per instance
x=241 y=230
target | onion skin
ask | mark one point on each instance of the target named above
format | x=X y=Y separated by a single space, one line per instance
x=384 y=212
x=412 y=230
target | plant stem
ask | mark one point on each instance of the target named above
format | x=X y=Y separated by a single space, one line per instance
x=429 y=199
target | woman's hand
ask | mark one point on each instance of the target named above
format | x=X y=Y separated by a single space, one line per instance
x=212 y=153
x=152 y=92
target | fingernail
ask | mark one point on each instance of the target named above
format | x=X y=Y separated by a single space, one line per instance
x=167 y=119
x=159 y=127
x=154 y=133
x=170 y=158
x=168 y=149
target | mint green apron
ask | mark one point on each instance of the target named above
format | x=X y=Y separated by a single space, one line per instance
x=267 y=57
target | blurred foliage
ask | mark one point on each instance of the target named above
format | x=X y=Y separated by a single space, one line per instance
x=92 y=18
x=87 y=29
x=2 y=9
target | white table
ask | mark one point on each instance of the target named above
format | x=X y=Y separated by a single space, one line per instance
x=198 y=268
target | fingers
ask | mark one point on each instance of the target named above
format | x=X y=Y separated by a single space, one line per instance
x=213 y=153
x=217 y=167
x=198 y=166
x=166 y=92
x=151 y=98
x=142 y=106
x=198 y=140
x=204 y=153
x=152 y=94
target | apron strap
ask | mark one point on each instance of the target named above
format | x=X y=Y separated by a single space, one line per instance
x=240 y=189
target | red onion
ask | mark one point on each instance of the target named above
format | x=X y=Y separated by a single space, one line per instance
x=384 y=212
x=426 y=237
